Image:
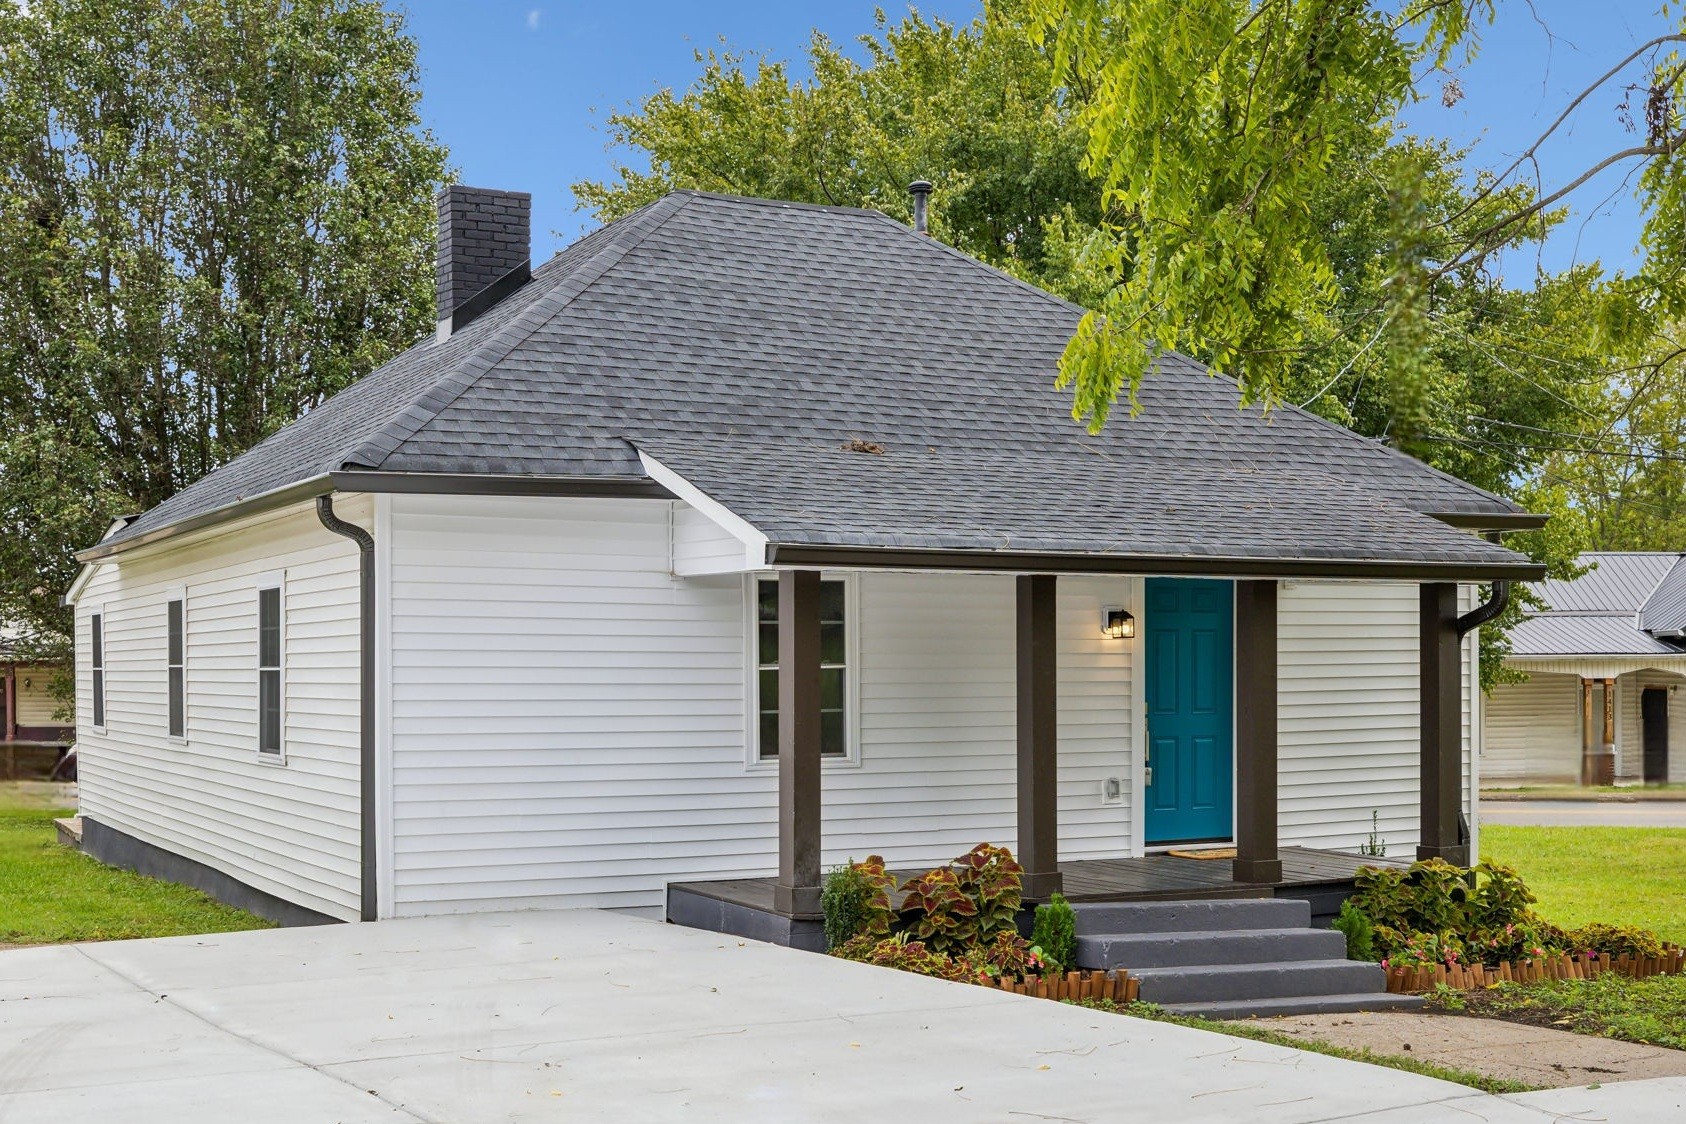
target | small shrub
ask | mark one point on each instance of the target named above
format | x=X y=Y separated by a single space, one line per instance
x=1616 y=940
x=956 y=907
x=944 y=916
x=1055 y=933
x=1008 y=954
x=991 y=878
x=843 y=900
x=1503 y=899
x=856 y=899
x=1360 y=934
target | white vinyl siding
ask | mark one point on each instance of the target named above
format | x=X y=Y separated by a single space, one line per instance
x=290 y=832
x=1348 y=718
x=1533 y=731
x=36 y=704
x=568 y=719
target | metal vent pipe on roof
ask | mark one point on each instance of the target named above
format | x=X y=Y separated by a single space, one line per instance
x=921 y=192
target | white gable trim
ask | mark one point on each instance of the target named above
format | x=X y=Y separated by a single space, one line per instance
x=753 y=541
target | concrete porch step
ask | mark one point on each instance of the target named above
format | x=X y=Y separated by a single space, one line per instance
x=1296 y=1005
x=1223 y=946
x=1242 y=984
x=1202 y=916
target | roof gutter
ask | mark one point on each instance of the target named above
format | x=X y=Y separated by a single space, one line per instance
x=366 y=691
x=250 y=505
x=1481 y=614
x=1021 y=562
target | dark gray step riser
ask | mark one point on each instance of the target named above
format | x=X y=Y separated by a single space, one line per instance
x=1262 y=981
x=1192 y=917
x=1297 y=1005
x=1249 y=946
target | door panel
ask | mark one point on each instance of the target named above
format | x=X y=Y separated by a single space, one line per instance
x=1190 y=637
x=1653 y=707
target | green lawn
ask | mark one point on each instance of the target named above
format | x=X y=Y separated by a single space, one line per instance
x=1620 y=875
x=50 y=894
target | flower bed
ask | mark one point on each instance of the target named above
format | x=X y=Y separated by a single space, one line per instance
x=961 y=922
x=1437 y=925
x=1462 y=977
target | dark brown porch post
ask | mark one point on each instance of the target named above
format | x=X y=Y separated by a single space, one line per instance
x=1441 y=725
x=1038 y=736
x=1256 y=858
x=797 y=892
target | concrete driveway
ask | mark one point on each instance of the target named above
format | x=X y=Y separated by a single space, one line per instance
x=1592 y=813
x=589 y=1016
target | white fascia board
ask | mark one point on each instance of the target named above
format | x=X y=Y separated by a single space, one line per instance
x=754 y=542
x=79 y=583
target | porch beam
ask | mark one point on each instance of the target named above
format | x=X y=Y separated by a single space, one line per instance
x=1441 y=725
x=1256 y=855
x=1038 y=760
x=797 y=892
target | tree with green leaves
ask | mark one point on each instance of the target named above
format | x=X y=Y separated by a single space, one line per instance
x=213 y=215
x=993 y=114
x=1214 y=126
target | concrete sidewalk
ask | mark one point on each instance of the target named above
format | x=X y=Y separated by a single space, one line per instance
x=580 y=1015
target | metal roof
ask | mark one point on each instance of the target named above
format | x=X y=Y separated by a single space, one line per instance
x=1665 y=610
x=1629 y=603
x=1585 y=634
x=740 y=324
x=1619 y=582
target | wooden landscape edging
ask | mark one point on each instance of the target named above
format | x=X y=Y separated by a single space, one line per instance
x=1114 y=984
x=1462 y=977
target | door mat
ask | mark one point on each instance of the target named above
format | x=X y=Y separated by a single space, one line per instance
x=1213 y=853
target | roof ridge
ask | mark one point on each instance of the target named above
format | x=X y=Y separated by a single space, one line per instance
x=765 y=201
x=371 y=452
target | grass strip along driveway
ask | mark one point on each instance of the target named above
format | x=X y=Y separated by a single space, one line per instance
x=50 y=894
x=1651 y=1010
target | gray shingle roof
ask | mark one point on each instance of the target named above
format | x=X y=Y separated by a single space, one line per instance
x=717 y=321
x=811 y=493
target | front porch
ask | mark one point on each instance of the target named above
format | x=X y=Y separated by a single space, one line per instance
x=745 y=906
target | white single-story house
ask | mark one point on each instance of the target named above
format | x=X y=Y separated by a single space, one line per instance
x=743 y=537
x=1605 y=661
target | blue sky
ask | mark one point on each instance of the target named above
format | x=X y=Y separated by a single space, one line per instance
x=519 y=91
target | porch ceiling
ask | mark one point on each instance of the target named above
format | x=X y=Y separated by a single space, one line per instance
x=1056 y=510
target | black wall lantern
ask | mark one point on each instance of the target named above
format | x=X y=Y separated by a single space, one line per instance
x=1117 y=623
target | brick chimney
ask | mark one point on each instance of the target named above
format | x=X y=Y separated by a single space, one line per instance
x=485 y=251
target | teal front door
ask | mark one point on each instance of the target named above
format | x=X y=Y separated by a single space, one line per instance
x=1190 y=639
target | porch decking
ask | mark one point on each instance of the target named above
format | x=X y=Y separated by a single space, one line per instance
x=744 y=906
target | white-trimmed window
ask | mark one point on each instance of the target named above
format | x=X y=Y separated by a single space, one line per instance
x=96 y=652
x=175 y=660
x=271 y=661
x=837 y=688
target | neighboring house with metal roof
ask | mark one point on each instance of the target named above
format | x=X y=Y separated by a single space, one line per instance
x=1605 y=661
x=737 y=510
x=30 y=734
